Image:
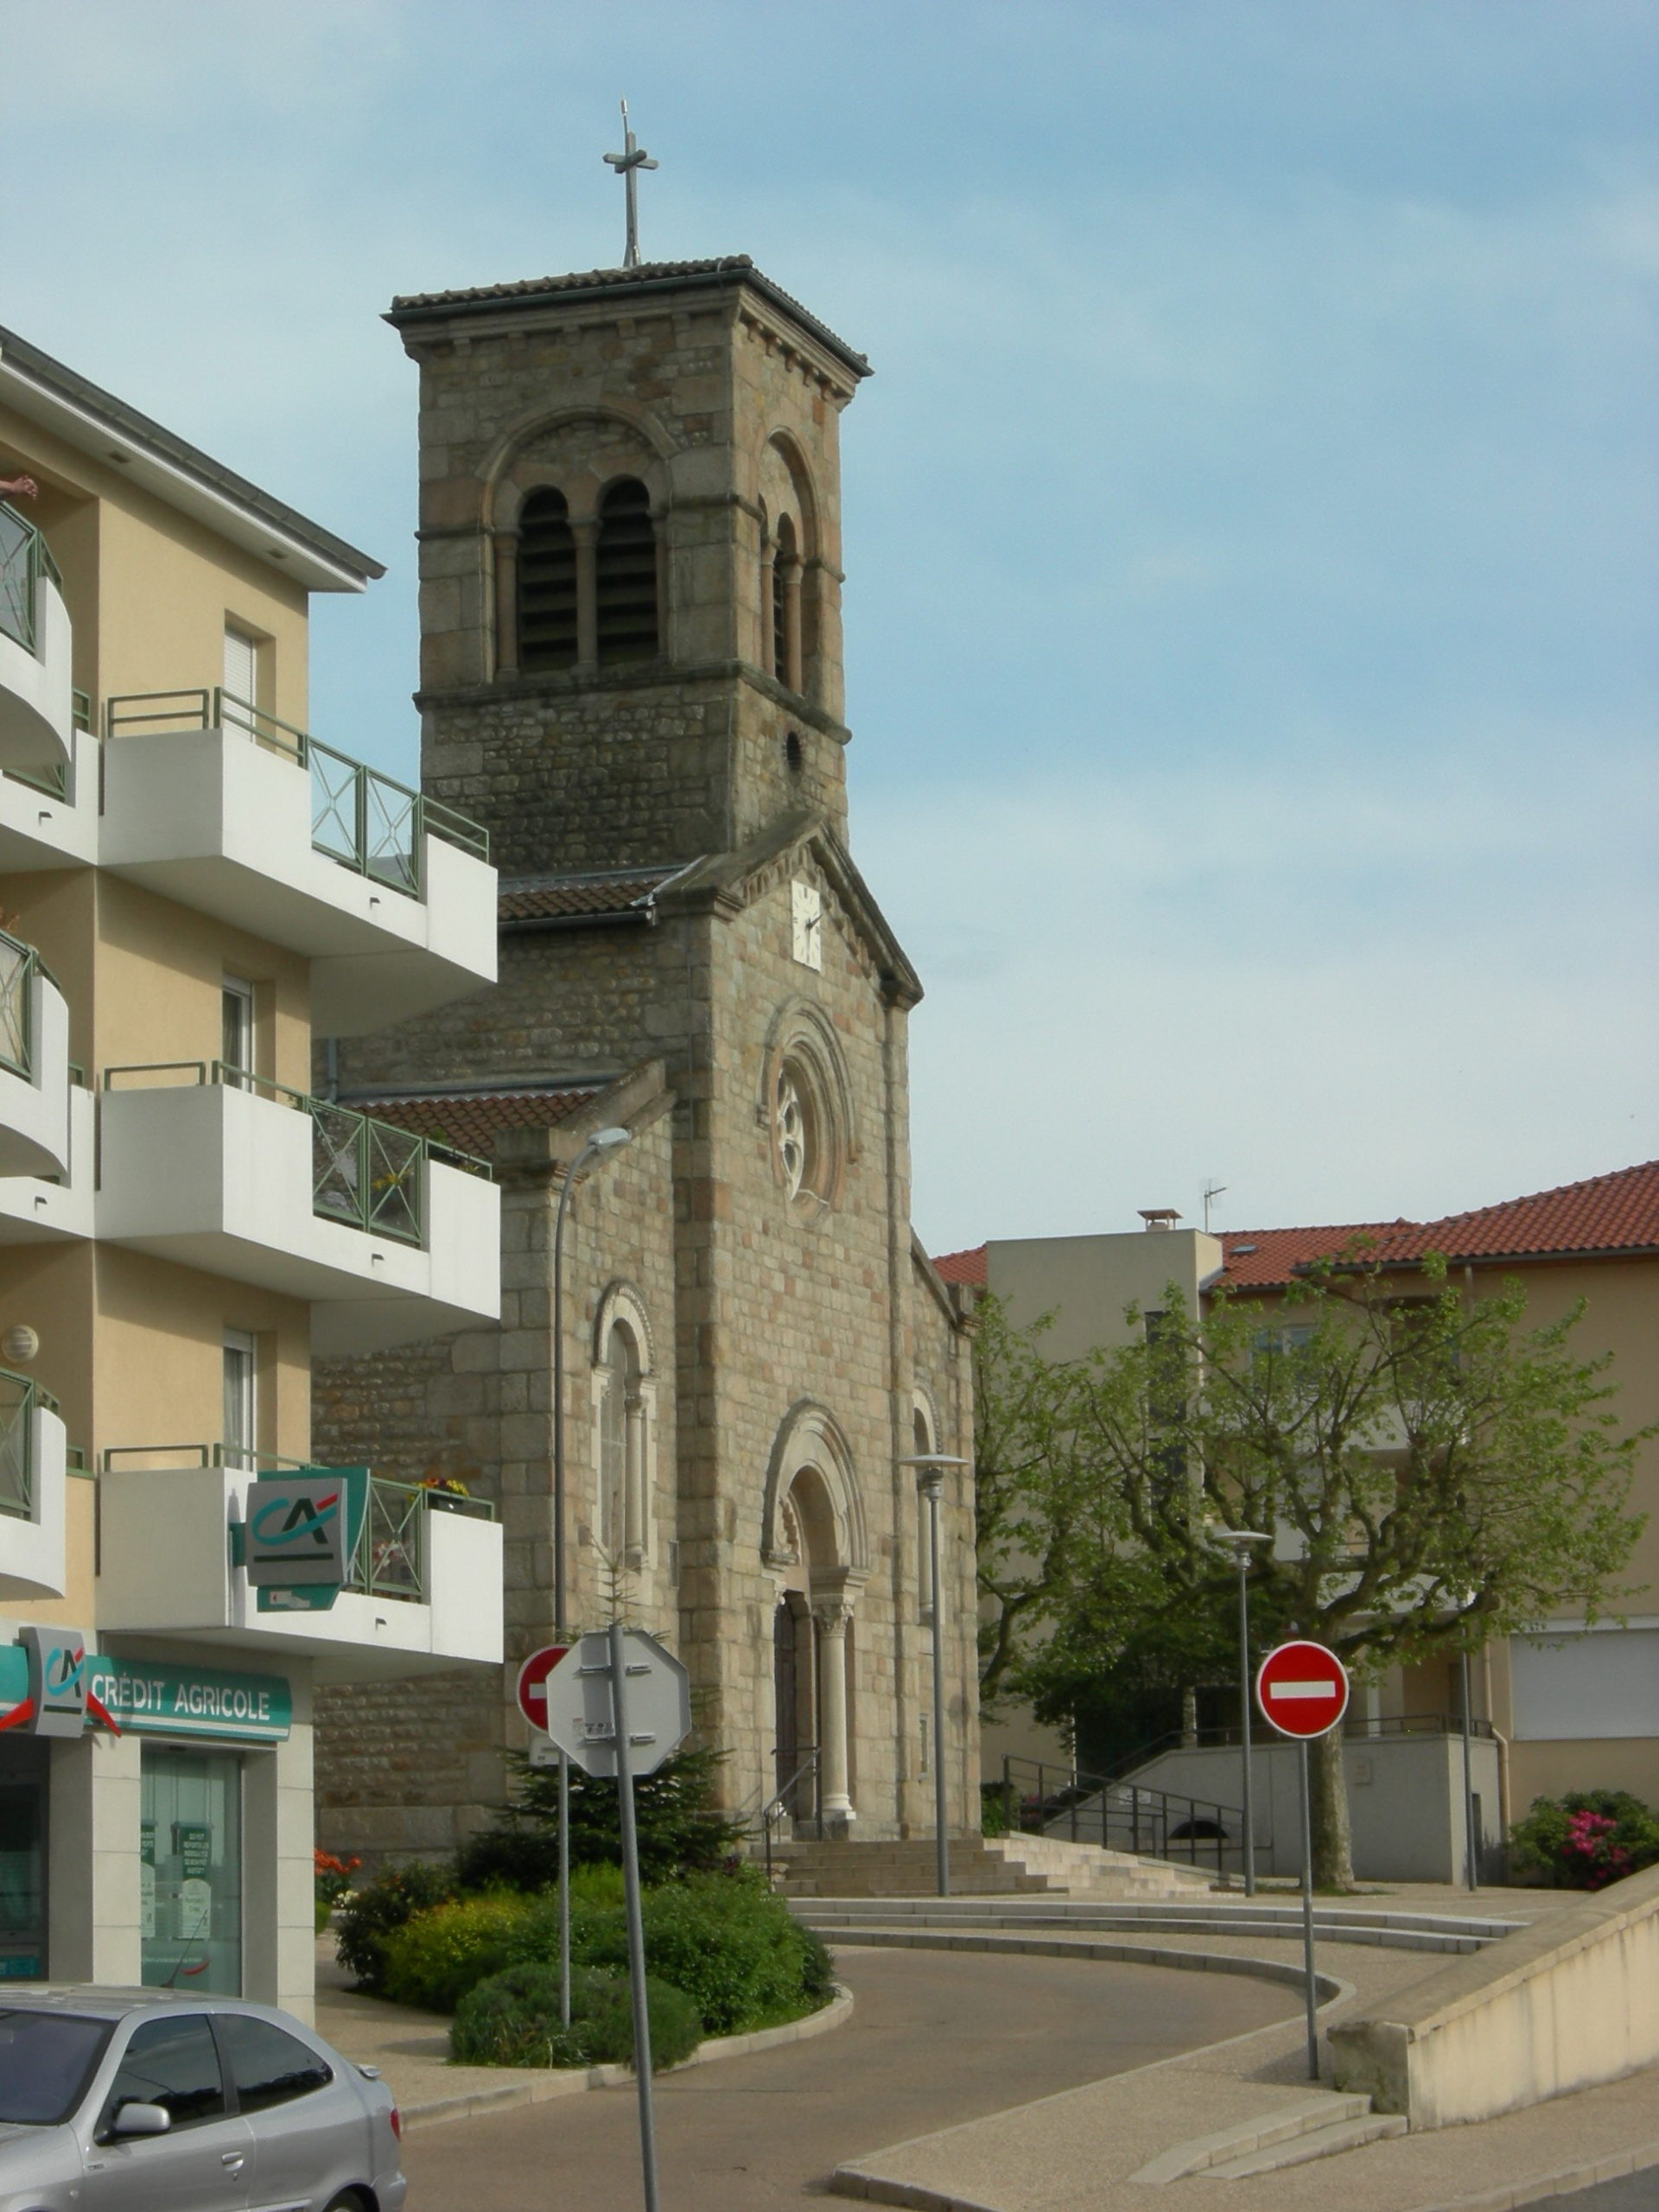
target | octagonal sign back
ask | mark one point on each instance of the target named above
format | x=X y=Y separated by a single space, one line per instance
x=580 y=1723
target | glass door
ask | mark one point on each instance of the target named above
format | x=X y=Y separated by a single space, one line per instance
x=23 y=1788
x=191 y=1870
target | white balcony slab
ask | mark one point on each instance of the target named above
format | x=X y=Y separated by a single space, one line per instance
x=36 y=689
x=39 y=830
x=33 y=1551
x=223 y=825
x=166 y=1571
x=221 y=1179
x=37 y=1210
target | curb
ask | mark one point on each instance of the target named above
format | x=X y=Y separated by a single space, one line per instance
x=543 y=2087
x=1133 y=1955
x=1568 y=2183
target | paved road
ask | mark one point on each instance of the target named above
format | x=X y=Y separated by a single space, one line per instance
x=935 y=2039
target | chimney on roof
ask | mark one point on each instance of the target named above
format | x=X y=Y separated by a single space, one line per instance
x=1160 y=1217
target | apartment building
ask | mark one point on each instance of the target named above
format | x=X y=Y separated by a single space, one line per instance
x=193 y=888
x=1573 y=1706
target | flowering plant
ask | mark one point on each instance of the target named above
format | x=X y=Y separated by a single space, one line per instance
x=449 y=1485
x=334 y=1877
x=1587 y=1839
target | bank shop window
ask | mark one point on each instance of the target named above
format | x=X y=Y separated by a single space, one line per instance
x=190 y=1871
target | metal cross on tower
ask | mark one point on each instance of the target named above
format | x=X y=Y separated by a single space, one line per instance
x=627 y=165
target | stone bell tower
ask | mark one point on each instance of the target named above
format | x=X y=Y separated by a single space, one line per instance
x=630 y=675
x=630 y=560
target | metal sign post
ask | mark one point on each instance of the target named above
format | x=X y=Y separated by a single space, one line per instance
x=619 y=1704
x=619 y=1671
x=1302 y=1690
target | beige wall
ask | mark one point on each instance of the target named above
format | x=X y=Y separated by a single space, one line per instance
x=150 y=591
x=1086 y=1281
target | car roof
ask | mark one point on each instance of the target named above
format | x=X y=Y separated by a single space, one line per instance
x=102 y=2003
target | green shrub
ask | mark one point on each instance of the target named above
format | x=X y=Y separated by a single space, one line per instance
x=395 y=1895
x=680 y=1829
x=436 y=1956
x=735 y=1949
x=992 y=1808
x=1585 y=1840
x=512 y=2019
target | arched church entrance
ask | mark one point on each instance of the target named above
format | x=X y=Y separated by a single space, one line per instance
x=815 y=1545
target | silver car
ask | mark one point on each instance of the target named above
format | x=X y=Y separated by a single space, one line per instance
x=141 y=2100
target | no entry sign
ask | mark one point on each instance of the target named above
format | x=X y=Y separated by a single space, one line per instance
x=532 y=1683
x=1302 y=1689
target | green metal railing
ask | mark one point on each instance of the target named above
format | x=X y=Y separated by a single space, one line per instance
x=25 y=558
x=19 y=1396
x=391 y=1558
x=365 y=1173
x=20 y=965
x=59 y=780
x=364 y=820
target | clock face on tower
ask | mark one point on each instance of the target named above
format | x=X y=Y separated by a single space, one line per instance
x=806 y=916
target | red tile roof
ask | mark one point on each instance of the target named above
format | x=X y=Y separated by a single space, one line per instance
x=1604 y=1214
x=472 y=1120
x=544 y=898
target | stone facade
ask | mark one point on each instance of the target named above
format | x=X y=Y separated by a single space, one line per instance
x=753 y=1343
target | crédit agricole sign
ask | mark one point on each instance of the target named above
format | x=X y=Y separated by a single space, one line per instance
x=155 y=1698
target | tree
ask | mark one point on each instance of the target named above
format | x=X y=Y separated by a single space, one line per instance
x=1438 y=1474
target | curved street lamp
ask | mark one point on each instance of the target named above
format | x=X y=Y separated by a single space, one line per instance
x=598 y=1147
x=1238 y=1541
x=929 y=1467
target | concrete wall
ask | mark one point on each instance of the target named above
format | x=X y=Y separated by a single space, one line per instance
x=1405 y=1800
x=1567 y=2003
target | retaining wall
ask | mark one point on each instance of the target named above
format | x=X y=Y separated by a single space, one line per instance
x=1569 y=2002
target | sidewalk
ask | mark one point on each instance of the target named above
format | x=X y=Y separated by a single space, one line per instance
x=1079 y=2151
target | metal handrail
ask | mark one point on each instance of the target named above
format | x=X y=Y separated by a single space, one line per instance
x=25 y=559
x=364 y=820
x=366 y=1173
x=1127 y=1816
x=775 y=1810
x=19 y=1395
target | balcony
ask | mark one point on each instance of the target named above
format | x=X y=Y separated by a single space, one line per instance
x=34 y=1462
x=425 y=1592
x=36 y=1209
x=37 y=711
x=34 y=1065
x=48 y=815
x=210 y=802
x=389 y=1237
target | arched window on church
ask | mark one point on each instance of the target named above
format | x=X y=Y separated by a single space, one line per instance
x=547 y=583
x=786 y=606
x=624 y=1444
x=625 y=575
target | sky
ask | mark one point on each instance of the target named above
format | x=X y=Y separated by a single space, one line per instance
x=1252 y=525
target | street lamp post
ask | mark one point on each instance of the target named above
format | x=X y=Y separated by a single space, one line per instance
x=931 y=1466
x=1238 y=1541
x=602 y=1142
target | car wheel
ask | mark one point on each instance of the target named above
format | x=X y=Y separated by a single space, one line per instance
x=348 y=2201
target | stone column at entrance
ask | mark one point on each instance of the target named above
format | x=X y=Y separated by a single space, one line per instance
x=833 y=1617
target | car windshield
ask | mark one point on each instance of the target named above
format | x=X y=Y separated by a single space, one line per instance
x=45 y=2059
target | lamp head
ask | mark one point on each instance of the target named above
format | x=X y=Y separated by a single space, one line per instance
x=608 y=1139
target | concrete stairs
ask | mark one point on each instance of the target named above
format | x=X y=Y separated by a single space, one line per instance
x=1001 y=1866
x=1054 y=1913
x=1317 y=2125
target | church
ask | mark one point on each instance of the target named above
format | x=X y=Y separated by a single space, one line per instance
x=690 y=1081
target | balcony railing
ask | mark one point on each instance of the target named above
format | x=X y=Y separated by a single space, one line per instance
x=361 y=819
x=58 y=781
x=25 y=558
x=365 y=1173
x=389 y=1560
x=19 y=1396
x=19 y=965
